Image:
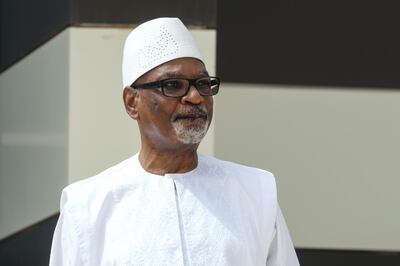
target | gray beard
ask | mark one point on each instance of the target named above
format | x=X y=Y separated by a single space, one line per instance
x=190 y=135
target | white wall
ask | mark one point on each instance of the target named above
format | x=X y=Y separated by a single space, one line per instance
x=100 y=132
x=335 y=153
x=33 y=135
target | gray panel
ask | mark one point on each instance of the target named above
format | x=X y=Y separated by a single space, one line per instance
x=33 y=135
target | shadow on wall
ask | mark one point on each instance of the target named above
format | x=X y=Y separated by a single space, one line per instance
x=30 y=246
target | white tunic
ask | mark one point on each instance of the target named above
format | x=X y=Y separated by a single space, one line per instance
x=220 y=213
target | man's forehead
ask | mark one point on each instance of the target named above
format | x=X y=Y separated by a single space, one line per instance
x=178 y=68
x=180 y=74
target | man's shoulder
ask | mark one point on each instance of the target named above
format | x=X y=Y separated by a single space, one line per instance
x=98 y=186
x=233 y=167
x=249 y=178
x=257 y=185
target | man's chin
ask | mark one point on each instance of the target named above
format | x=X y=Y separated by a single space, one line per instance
x=191 y=132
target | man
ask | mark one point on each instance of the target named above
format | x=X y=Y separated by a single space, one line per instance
x=167 y=205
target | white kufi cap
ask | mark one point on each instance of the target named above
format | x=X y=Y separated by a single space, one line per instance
x=153 y=43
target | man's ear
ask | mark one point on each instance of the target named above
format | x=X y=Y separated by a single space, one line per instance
x=130 y=97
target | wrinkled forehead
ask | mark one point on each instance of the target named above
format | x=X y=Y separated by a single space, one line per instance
x=154 y=43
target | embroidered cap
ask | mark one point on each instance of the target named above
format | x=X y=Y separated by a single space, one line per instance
x=153 y=43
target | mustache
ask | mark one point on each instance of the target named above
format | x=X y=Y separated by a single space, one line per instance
x=194 y=111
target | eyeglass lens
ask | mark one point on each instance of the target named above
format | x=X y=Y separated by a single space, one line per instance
x=178 y=87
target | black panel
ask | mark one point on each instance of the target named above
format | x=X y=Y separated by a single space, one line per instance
x=310 y=42
x=30 y=246
x=193 y=12
x=316 y=257
x=26 y=24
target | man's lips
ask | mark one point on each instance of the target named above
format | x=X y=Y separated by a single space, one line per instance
x=190 y=117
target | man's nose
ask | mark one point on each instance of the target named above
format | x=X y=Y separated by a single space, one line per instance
x=192 y=96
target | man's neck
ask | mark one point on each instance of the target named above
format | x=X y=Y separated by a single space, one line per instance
x=161 y=162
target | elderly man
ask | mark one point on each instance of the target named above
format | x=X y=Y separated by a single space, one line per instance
x=168 y=205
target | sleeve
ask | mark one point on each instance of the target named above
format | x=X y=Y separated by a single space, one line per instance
x=65 y=245
x=281 y=251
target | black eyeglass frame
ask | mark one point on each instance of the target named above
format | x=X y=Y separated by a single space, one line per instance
x=192 y=82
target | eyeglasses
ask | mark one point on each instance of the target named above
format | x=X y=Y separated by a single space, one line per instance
x=178 y=87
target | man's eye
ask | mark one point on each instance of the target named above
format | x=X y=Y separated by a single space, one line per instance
x=203 y=83
x=173 y=84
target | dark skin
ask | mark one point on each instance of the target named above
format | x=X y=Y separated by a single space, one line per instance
x=161 y=150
